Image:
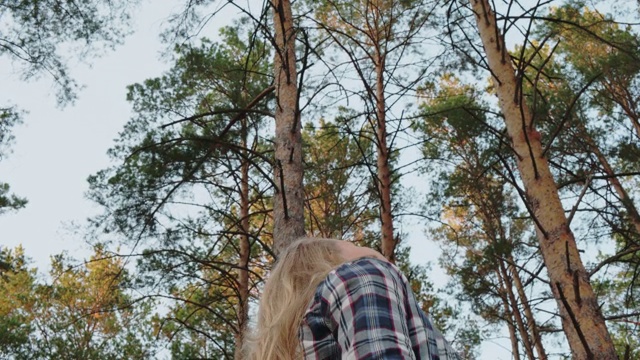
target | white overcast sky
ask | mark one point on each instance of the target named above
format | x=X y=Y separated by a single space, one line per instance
x=57 y=149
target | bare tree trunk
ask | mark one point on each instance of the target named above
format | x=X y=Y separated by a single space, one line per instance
x=515 y=348
x=508 y=287
x=582 y=320
x=288 y=202
x=384 y=171
x=245 y=250
x=531 y=321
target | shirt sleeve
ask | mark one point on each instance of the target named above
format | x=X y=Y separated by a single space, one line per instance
x=367 y=305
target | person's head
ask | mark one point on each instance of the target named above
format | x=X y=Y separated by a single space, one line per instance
x=293 y=280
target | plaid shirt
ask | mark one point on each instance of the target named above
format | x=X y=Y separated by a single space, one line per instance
x=365 y=309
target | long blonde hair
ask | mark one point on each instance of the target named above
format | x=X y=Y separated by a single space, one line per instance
x=293 y=280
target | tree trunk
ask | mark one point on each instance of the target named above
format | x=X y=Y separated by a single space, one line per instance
x=531 y=321
x=288 y=202
x=245 y=250
x=582 y=320
x=515 y=348
x=511 y=299
x=388 y=244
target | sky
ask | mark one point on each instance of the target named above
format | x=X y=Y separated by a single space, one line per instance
x=56 y=149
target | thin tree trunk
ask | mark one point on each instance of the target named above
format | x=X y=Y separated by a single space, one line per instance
x=245 y=250
x=582 y=320
x=522 y=329
x=512 y=273
x=503 y=271
x=384 y=171
x=531 y=321
x=288 y=202
x=515 y=348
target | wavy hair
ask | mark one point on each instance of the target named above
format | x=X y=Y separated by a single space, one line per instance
x=300 y=268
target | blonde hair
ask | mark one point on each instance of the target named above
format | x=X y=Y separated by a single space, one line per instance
x=300 y=268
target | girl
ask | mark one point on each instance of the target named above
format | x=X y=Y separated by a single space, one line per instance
x=329 y=299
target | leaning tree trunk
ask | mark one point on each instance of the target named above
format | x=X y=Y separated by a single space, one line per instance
x=288 y=202
x=582 y=320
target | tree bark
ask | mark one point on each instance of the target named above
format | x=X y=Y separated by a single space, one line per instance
x=388 y=243
x=288 y=202
x=582 y=320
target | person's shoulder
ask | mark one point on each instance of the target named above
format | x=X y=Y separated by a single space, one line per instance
x=365 y=268
x=355 y=278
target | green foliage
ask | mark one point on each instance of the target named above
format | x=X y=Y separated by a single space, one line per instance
x=176 y=192
x=92 y=317
x=178 y=188
x=34 y=31
x=339 y=201
x=9 y=117
x=17 y=284
x=595 y=69
x=594 y=43
x=203 y=326
x=9 y=202
x=84 y=313
x=163 y=162
x=383 y=23
x=452 y=112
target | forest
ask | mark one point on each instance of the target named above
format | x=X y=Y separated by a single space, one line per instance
x=505 y=133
